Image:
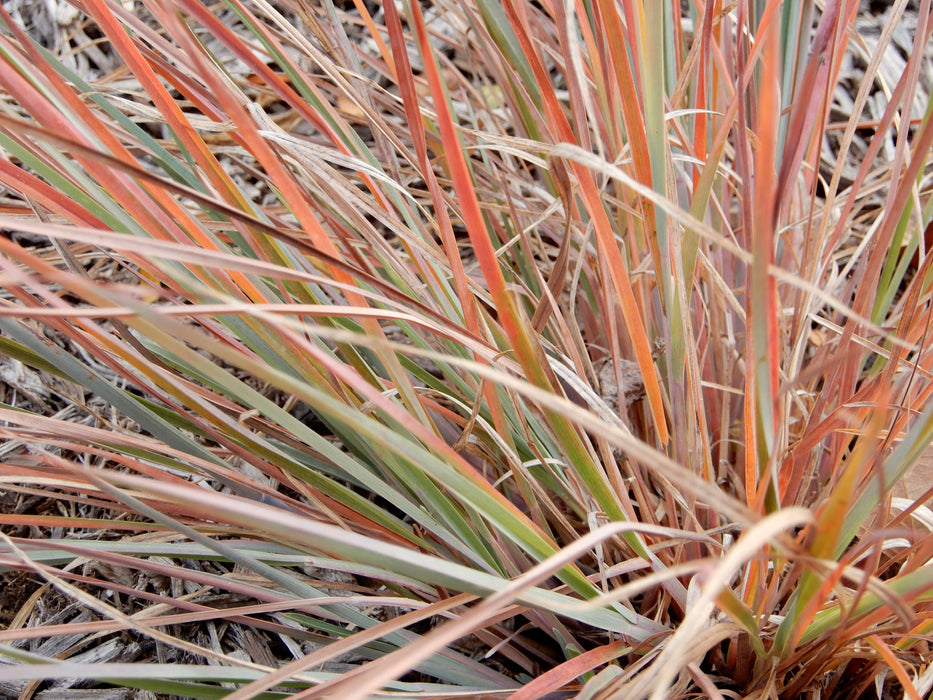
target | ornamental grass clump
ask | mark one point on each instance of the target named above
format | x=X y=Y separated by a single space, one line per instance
x=493 y=348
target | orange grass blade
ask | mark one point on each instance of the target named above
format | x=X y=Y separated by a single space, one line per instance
x=763 y=340
x=895 y=664
x=604 y=234
x=561 y=676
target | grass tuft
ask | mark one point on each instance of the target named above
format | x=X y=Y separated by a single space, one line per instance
x=494 y=348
